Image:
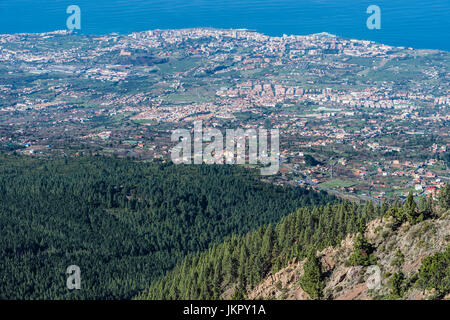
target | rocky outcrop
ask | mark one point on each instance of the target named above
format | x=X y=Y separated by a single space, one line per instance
x=358 y=282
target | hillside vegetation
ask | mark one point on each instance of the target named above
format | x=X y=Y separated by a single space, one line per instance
x=239 y=264
x=327 y=252
x=124 y=223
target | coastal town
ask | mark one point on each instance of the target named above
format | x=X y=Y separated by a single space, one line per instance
x=356 y=118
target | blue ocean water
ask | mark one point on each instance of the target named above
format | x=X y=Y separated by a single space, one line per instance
x=413 y=23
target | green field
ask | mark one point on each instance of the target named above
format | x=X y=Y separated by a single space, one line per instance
x=337 y=183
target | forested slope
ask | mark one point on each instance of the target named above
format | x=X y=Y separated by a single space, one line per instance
x=123 y=223
x=324 y=253
x=241 y=262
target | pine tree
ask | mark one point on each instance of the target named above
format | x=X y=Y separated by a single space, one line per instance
x=410 y=210
x=444 y=197
x=266 y=249
x=312 y=281
x=362 y=253
x=426 y=207
x=397 y=285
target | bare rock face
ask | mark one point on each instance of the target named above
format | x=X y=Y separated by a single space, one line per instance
x=358 y=282
x=282 y=285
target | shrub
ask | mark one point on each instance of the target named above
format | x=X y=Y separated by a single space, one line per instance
x=362 y=253
x=398 y=260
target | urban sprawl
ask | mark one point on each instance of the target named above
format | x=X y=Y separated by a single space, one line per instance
x=356 y=118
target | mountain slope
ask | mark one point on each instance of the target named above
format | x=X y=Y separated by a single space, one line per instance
x=242 y=262
x=365 y=252
x=124 y=223
x=400 y=251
